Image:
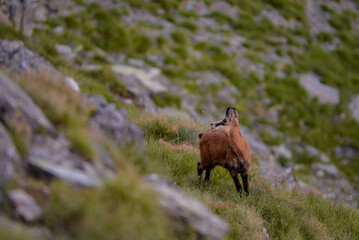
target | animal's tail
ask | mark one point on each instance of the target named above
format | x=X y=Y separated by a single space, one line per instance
x=200 y=135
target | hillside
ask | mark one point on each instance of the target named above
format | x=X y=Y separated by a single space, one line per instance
x=98 y=96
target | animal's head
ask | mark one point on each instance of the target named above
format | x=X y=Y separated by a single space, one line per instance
x=230 y=119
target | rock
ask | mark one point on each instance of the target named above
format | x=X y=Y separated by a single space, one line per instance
x=346 y=151
x=59 y=30
x=283 y=151
x=136 y=62
x=208 y=78
x=18 y=110
x=277 y=19
x=354 y=107
x=224 y=7
x=192 y=5
x=52 y=157
x=149 y=78
x=9 y=157
x=266 y=235
x=311 y=151
x=66 y=52
x=114 y=123
x=44 y=167
x=187 y=210
x=70 y=82
x=4 y=19
x=90 y=67
x=16 y=58
x=317 y=19
x=315 y=88
x=25 y=205
x=328 y=168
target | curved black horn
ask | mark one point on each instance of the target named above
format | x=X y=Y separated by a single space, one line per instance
x=227 y=110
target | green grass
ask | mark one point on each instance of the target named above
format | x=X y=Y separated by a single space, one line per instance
x=167 y=100
x=285 y=214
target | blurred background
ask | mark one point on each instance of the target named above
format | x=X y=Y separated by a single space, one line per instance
x=291 y=68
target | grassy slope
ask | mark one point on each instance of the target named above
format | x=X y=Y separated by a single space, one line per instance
x=285 y=214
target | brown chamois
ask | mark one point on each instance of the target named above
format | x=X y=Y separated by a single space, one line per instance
x=225 y=146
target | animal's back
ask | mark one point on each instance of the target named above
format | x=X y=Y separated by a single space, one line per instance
x=213 y=147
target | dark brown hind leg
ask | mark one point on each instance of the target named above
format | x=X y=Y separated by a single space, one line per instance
x=208 y=175
x=245 y=182
x=234 y=175
x=199 y=170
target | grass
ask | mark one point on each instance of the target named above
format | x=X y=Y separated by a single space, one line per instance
x=63 y=107
x=124 y=209
x=285 y=214
x=167 y=100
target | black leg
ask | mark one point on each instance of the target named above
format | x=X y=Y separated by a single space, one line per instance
x=236 y=181
x=245 y=182
x=199 y=170
x=208 y=175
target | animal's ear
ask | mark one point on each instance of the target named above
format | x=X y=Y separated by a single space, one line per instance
x=228 y=111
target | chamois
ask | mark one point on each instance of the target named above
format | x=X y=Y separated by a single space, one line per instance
x=225 y=146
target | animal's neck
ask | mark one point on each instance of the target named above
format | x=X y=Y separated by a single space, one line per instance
x=235 y=134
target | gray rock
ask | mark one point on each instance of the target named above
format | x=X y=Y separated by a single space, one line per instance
x=354 y=107
x=16 y=58
x=52 y=157
x=187 y=210
x=136 y=62
x=318 y=21
x=224 y=7
x=283 y=151
x=197 y=6
x=17 y=108
x=90 y=67
x=208 y=78
x=277 y=19
x=9 y=157
x=25 y=205
x=114 y=123
x=70 y=82
x=66 y=52
x=311 y=151
x=148 y=78
x=328 y=168
x=346 y=151
x=66 y=173
x=315 y=88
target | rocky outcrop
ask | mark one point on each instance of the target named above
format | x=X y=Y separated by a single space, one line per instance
x=186 y=210
x=114 y=123
x=16 y=58
x=315 y=88
x=9 y=157
x=19 y=111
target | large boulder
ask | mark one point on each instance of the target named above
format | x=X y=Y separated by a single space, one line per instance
x=187 y=210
